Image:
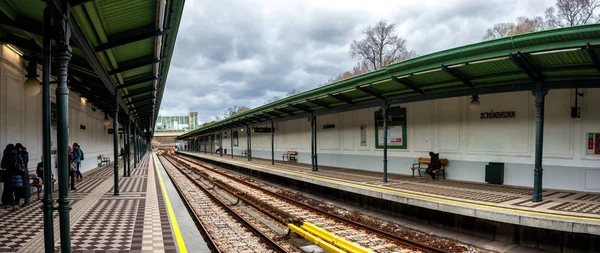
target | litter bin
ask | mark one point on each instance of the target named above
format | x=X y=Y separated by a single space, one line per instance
x=494 y=173
x=225 y=151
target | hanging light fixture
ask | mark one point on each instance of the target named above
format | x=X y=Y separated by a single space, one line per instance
x=106 y=120
x=475 y=105
x=31 y=85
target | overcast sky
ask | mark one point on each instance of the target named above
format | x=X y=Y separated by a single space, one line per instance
x=244 y=52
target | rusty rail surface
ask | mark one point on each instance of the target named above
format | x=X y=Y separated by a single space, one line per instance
x=403 y=241
x=276 y=247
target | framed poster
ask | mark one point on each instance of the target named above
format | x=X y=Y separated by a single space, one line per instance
x=396 y=128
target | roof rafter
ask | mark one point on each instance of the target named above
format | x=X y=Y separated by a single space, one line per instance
x=126 y=37
x=284 y=111
x=371 y=91
x=342 y=98
x=319 y=103
x=592 y=53
x=300 y=107
x=135 y=93
x=136 y=63
x=136 y=81
x=408 y=84
x=459 y=76
x=527 y=66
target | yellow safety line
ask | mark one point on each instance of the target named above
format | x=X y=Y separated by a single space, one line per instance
x=175 y=225
x=361 y=185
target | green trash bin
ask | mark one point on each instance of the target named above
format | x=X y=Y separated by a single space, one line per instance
x=494 y=173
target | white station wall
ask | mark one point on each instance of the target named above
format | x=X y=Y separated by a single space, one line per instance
x=449 y=127
x=21 y=118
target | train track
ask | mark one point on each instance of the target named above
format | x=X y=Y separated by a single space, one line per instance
x=224 y=229
x=287 y=209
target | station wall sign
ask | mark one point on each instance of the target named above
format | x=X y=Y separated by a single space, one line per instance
x=263 y=130
x=111 y=130
x=498 y=115
x=593 y=143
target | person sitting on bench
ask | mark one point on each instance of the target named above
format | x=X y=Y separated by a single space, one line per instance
x=434 y=165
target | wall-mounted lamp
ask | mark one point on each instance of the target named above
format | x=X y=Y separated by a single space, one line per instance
x=475 y=105
x=83 y=101
x=242 y=130
x=106 y=120
x=32 y=85
x=576 y=110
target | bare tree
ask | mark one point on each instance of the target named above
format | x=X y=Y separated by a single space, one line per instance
x=381 y=46
x=359 y=69
x=522 y=25
x=572 y=12
x=234 y=110
x=291 y=92
x=273 y=99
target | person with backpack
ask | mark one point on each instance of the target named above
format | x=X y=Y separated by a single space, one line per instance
x=25 y=191
x=78 y=158
x=72 y=167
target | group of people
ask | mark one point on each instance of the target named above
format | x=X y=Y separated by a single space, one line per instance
x=15 y=173
x=15 y=176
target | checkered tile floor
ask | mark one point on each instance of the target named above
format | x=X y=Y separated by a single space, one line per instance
x=100 y=221
x=573 y=203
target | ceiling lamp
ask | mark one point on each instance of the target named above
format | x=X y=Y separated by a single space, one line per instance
x=32 y=85
x=475 y=105
x=106 y=120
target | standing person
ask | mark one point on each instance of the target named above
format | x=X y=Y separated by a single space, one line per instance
x=39 y=171
x=26 y=189
x=15 y=165
x=72 y=167
x=6 y=164
x=78 y=156
x=434 y=164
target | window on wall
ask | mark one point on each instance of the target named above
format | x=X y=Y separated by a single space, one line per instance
x=235 y=138
x=396 y=126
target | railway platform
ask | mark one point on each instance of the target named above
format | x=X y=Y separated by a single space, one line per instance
x=139 y=219
x=561 y=211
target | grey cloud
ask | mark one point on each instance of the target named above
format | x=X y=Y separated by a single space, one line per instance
x=233 y=52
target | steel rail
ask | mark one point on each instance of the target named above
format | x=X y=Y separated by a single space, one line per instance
x=236 y=216
x=388 y=235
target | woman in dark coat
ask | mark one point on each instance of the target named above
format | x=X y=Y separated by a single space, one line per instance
x=6 y=177
x=26 y=189
x=434 y=164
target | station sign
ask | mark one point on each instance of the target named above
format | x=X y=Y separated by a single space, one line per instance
x=263 y=130
x=498 y=115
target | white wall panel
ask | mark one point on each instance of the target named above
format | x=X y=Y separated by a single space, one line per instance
x=348 y=129
x=422 y=122
x=558 y=124
x=509 y=136
x=447 y=116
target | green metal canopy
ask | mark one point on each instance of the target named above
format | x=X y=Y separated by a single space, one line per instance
x=121 y=49
x=551 y=59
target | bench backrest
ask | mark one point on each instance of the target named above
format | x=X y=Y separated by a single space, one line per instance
x=292 y=152
x=444 y=161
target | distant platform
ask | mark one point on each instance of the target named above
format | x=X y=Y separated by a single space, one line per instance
x=569 y=211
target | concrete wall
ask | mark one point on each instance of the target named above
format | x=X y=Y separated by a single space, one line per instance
x=21 y=118
x=449 y=127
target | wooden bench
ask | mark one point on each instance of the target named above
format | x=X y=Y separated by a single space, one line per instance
x=245 y=152
x=104 y=160
x=290 y=155
x=422 y=165
x=35 y=181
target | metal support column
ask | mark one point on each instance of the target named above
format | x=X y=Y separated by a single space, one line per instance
x=128 y=147
x=221 y=143
x=231 y=133
x=205 y=140
x=212 y=143
x=384 y=110
x=135 y=158
x=313 y=141
x=540 y=95
x=249 y=142
x=62 y=56
x=116 y=147
x=46 y=132
x=272 y=143
x=124 y=149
